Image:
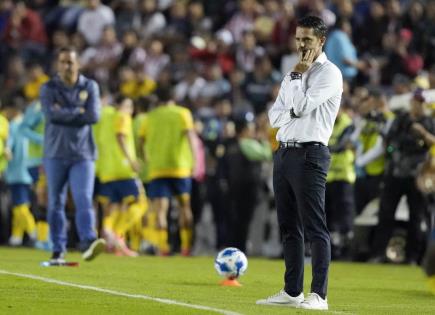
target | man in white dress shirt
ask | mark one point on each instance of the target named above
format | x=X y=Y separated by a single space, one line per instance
x=304 y=112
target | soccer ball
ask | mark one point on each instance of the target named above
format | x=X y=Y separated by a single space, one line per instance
x=231 y=263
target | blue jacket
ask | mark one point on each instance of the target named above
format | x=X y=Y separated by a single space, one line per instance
x=16 y=171
x=69 y=113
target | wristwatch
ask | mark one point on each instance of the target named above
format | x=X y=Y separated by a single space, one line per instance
x=296 y=75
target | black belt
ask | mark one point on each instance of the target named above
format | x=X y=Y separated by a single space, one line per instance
x=294 y=144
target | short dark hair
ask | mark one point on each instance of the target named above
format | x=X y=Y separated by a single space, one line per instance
x=314 y=22
x=119 y=98
x=66 y=49
x=164 y=94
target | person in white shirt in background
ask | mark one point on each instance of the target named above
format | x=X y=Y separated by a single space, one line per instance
x=93 y=20
x=304 y=112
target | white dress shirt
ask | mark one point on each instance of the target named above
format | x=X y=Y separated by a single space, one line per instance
x=315 y=99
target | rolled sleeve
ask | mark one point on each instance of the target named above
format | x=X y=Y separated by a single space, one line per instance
x=279 y=113
x=327 y=84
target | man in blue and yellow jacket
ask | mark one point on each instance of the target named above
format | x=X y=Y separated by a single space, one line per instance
x=71 y=105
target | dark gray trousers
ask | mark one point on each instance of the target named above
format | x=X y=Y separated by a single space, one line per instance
x=299 y=180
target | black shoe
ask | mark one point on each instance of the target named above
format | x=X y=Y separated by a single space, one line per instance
x=94 y=249
x=57 y=258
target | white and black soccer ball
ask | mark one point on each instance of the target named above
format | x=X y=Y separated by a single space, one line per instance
x=231 y=263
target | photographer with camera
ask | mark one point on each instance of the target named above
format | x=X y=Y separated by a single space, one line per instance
x=407 y=145
x=370 y=154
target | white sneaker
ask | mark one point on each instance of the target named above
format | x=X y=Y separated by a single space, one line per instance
x=15 y=241
x=95 y=249
x=283 y=299
x=314 y=302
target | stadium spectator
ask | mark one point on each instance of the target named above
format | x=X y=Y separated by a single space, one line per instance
x=93 y=20
x=150 y=21
x=101 y=60
x=14 y=77
x=156 y=59
x=341 y=51
x=133 y=54
x=247 y=51
x=25 y=33
x=258 y=84
x=243 y=19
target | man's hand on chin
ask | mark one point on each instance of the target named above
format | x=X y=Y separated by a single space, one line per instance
x=306 y=58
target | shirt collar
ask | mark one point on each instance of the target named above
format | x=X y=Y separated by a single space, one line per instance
x=321 y=59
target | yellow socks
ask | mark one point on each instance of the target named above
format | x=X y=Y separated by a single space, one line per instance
x=42 y=231
x=127 y=219
x=135 y=236
x=109 y=220
x=28 y=221
x=163 y=241
x=17 y=225
x=22 y=222
x=431 y=283
x=186 y=239
x=149 y=230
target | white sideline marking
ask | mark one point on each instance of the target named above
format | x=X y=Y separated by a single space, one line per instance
x=118 y=293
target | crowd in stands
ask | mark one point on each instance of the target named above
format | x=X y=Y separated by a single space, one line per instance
x=224 y=61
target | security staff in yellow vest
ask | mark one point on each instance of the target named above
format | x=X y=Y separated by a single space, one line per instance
x=370 y=155
x=339 y=203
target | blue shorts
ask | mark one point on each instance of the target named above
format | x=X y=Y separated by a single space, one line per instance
x=20 y=194
x=119 y=190
x=167 y=187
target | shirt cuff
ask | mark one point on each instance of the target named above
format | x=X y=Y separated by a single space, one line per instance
x=292 y=114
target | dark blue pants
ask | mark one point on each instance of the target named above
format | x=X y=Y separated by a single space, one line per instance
x=299 y=180
x=80 y=177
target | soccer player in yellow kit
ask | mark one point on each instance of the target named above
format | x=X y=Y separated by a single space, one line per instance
x=4 y=133
x=167 y=139
x=119 y=189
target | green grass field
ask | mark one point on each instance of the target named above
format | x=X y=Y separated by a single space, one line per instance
x=353 y=288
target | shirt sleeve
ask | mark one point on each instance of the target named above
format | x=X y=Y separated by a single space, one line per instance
x=279 y=113
x=122 y=124
x=187 y=120
x=4 y=129
x=326 y=84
